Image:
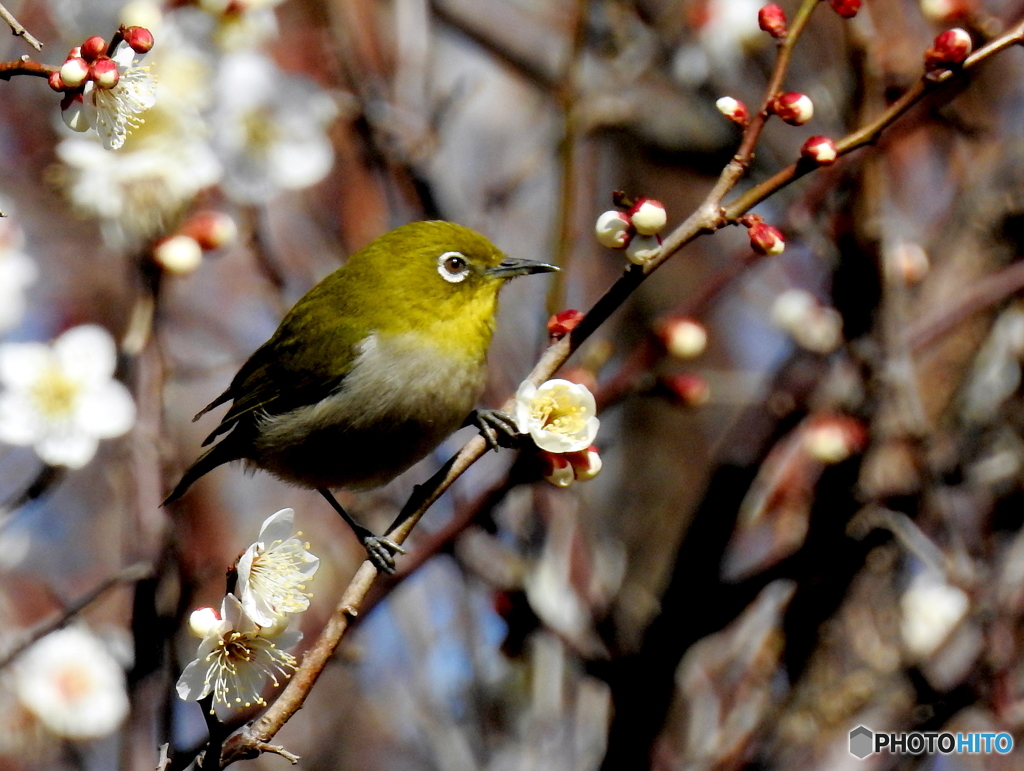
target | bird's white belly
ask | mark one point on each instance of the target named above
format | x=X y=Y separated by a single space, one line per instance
x=402 y=397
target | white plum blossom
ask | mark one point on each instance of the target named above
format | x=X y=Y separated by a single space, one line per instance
x=72 y=683
x=143 y=188
x=270 y=129
x=273 y=572
x=236 y=659
x=560 y=415
x=60 y=398
x=17 y=272
x=114 y=112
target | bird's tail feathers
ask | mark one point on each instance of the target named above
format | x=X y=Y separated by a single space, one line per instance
x=217 y=455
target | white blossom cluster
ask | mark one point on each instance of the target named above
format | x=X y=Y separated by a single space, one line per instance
x=246 y=644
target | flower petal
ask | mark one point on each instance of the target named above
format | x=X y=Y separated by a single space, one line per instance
x=193 y=684
x=106 y=411
x=73 y=450
x=86 y=354
x=278 y=526
x=20 y=422
x=21 y=364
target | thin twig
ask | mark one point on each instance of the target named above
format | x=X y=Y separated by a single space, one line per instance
x=130 y=574
x=25 y=67
x=18 y=30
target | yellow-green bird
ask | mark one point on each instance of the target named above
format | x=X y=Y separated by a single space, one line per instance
x=371 y=369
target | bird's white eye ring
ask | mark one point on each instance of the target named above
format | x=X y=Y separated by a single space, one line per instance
x=453 y=267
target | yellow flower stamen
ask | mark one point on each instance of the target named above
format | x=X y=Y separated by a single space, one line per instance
x=55 y=394
x=558 y=413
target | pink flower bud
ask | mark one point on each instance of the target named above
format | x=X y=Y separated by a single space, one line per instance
x=178 y=254
x=139 y=38
x=795 y=109
x=733 y=109
x=772 y=19
x=949 y=49
x=75 y=53
x=833 y=438
x=692 y=390
x=93 y=48
x=648 y=216
x=845 y=8
x=210 y=229
x=72 y=112
x=683 y=338
x=613 y=229
x=563 y=322
x=765 y=239
x=556 y=469
x=104 y=73
x=55 y=82
x=821 y=150
x=643 y=249
x=586 y=464
x=74 y=72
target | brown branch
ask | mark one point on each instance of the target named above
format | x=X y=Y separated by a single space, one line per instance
x=709 y=217
x=18 y=30
x=25 y=67
x=132 y=573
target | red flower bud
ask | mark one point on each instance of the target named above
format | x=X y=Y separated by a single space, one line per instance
x=691 y=390
x=210 y=229
x=949 y=49
x=772 y=19
x=93 y=48
x=832 y=438
x=683 y=338
x=563 y=322
x=586 y=464
x=556 y=469
x=53 y=79
x=74 y=72
x=821 y=150
x=733 y=109
x=765 y=239
x=104 y=73
x=648 y=216
x=795 y=109
x=139 y=38
x=845 y=8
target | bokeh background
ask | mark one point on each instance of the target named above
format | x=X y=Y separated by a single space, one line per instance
x=815 y=524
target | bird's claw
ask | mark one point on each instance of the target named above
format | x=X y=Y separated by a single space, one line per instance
x=381 y=552
x=499 y=429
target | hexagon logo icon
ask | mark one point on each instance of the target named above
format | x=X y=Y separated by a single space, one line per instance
x=861 y=740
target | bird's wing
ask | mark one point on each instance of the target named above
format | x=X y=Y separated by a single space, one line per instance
x=284 y=374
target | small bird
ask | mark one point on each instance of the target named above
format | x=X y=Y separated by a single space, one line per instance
x=373 y=368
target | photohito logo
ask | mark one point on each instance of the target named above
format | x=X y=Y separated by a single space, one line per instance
x=864 y=742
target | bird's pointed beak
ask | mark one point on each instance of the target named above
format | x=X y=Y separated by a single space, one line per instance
x=511 y=267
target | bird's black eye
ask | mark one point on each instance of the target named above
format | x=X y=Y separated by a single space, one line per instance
x=453 y=267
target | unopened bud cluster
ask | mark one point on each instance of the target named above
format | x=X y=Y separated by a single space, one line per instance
x=634 y=229
x=91 y=62
x=949 y=49
x=562 y=469
x=764 y=238
x=182 y=252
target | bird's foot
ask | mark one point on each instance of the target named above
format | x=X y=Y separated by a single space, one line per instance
x=498 y=428
x=380 y=551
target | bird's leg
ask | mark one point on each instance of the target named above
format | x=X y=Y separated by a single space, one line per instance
x=498 y=428
x=380 y=550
